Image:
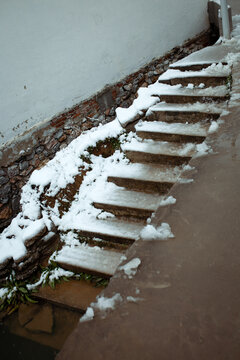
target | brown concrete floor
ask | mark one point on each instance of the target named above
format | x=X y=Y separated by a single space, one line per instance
x=189 y=286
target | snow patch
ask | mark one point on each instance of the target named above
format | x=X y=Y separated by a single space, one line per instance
x=130 y=269
x=203 y=149
x=104 y=303
x=3 y=293
x=170 y=200
x=133 y=299
x=213 y=127
x=89 y=315
x=162 y=232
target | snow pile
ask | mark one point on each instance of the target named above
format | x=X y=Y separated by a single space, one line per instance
x=13 y=238
x=62 y=169
x=213 y=127
x=94 y=182
x=103 y=304
x=3 y=293
x=56 y=174
x=162 y=232
x=89 y=315
x=202 y=149
x=170 y=200
x=147 y=97
x=131 y=267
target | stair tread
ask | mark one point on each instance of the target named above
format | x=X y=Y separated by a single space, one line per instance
x=197 y=107
x=129 y=199
x=92 y=259
x=110 y=227
x=160 y=148
x=208 y=55
x=218 y=91
x=145 y=172
x=172 y=128
x=206 y=73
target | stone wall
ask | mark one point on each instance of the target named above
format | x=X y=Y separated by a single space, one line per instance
x=37 y=146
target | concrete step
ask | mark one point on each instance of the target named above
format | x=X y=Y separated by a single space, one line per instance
x=122 y=202
x=142 y=177
x=177 y=132
x=185 y=95
x=175 y=113
x=209 y=77
x=193 y=66
x=111 y=230
x=93 y=260
x=150 y=151
x=203 y=58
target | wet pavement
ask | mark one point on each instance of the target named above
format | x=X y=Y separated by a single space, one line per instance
x=187 y=288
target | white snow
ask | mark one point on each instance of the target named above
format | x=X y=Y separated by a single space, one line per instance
x=52 y=275
x=104 y=303
x=202 y=149
x=125 y=116
x=213 y=127
x=130 y=269
x=171 y=128
x=162 y=232
x=3 y=293
x=133 y=299
x=212 y=70
x=190 y=86
x=89 y=315
x=56 y=174
x=170 y=200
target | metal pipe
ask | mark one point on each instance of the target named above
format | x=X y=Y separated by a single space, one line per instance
x=225 y=19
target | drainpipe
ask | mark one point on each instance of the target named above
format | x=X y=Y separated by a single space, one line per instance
x=225 y=19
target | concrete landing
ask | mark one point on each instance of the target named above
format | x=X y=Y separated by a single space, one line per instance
x=189 y=286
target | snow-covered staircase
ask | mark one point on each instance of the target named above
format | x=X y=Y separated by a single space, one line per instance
x=165 y=140
x=98 y=194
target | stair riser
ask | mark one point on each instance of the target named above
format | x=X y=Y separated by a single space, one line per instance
x=183 y=99
x=147 y=158
x=141 y=185
x=170 y=137
x=213 y=81
x=181 y=116
x=124 y=211
x=106 y=237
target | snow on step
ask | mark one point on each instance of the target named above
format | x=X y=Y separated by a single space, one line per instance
x=146 y=172
x=109 y=229
x=197 y=129
x=125 y=202
x=212 y=76
x=89 y=259
x=172 y=94
x=158 y=151
x=196 y=107
x=143 y=177
x=203 y=58
x=183 y=113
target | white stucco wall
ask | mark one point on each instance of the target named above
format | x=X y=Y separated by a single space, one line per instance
x=55 y=53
